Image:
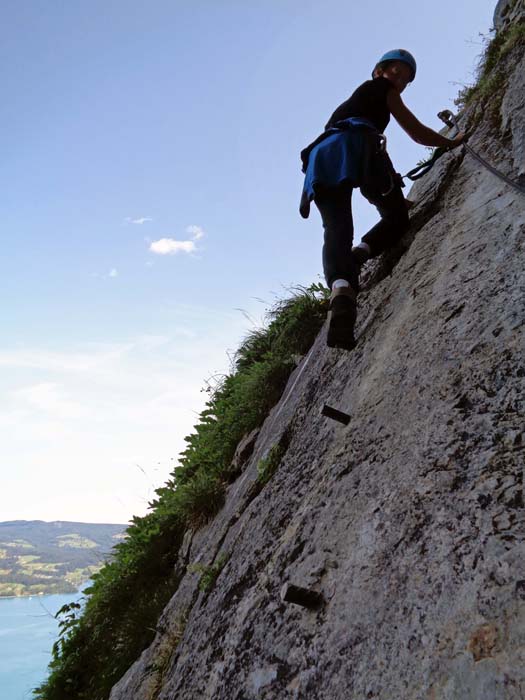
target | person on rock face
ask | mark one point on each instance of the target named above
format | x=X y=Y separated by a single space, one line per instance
x=350 y=153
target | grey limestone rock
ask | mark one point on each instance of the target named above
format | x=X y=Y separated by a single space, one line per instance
x=410 y=521
x=508 y=11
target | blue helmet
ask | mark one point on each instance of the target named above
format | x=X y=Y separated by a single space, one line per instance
x=400 y=55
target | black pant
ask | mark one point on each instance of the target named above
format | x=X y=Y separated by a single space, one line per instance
x=335 y=207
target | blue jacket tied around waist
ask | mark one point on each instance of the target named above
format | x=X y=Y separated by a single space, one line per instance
x=348 y=151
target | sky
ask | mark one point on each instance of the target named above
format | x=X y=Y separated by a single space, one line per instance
x=150 y=181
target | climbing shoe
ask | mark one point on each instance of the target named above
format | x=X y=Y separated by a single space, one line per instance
x=341 y=319
x=360 y=255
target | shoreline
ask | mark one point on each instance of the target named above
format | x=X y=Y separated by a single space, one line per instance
x=42 y=595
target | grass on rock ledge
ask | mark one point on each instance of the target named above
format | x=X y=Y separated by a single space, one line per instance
x=491 y=74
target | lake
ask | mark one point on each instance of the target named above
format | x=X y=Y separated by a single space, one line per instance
x=28 y=631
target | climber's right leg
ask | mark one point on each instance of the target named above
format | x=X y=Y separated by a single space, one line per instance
x=335 y=207
x=340 y=267
x=341 y=318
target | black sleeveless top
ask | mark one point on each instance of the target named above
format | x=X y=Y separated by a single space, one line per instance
x=368 y=101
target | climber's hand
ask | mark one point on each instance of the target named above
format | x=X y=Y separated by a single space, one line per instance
x=458 y=140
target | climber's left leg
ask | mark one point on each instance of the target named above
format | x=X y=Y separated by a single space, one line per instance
x=394 y=220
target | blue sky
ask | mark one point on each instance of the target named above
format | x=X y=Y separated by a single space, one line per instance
x=150 y=176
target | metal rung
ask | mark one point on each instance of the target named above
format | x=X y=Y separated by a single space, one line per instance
x=301 y=596
x=334 y=414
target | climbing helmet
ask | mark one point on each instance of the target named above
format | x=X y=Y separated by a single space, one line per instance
x=399 y=55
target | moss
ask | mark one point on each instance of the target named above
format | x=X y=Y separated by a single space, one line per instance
x=171 y=638
x=209 y=574
x=268 y=465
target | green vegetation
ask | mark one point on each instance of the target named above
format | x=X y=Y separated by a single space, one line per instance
x=209 y=574
x=26 y=559
x=268 y=465
x=58 y=563
x=18 y=544
x=10 y=588
x=165 y=649
x=74 y=540
x=491 y=78
x=430 y=153
x=120 y=615
x=41 y=566
x=77 y=577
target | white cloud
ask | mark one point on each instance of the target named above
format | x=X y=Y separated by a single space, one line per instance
x=48 y=397
x=112 y=273
x=83 y=416
x=195 y=231
x=150 y=342
x=141 y=220
x=97 y=357
x=185 y=332
x=169 y=246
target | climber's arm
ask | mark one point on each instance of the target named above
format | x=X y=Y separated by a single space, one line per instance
x=415 y=129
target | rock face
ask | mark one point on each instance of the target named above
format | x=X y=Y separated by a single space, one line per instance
x=506 y=12
x=410 y=521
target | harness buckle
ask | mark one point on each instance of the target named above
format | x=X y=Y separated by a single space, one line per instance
x=382 y=143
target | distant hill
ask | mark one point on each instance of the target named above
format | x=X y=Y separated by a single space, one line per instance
x=56 y=557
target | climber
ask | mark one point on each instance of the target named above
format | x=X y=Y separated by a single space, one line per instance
x=351 y=153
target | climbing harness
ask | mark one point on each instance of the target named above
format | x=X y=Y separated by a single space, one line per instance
x=449 y=119
x=381 y=151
